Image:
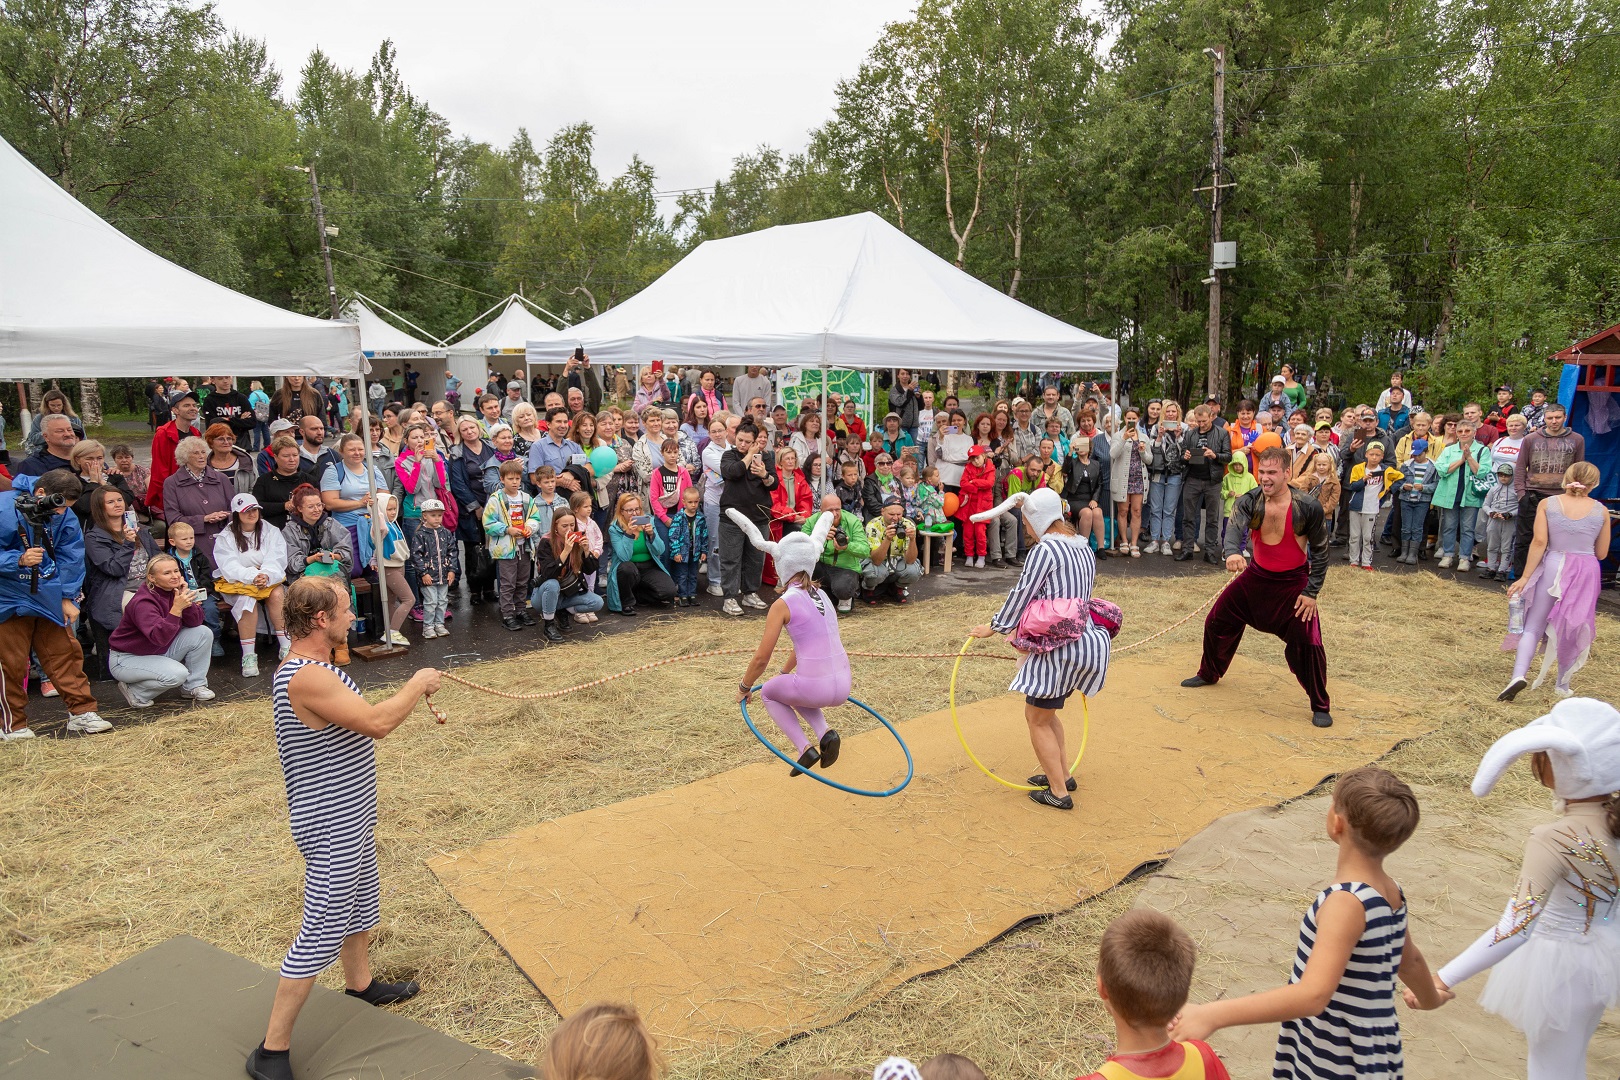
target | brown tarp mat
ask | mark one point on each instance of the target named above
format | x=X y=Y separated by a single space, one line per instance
x=753 y=904
x=184 y=1010
x=1241 y=886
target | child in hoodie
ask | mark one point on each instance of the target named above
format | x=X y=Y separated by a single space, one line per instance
x=1501 y=510
x=1371 y=483
x=1415 y=491
x=1237 y=481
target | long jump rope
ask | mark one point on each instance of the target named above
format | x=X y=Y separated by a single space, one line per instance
x=960 y=655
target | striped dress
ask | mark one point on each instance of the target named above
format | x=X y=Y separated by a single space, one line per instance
x=1058 y=567
x=331 y=779
x=1358 y=1033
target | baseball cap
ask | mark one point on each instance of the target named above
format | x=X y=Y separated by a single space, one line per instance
x=430 y=504
x=1323 y=425
x=514 y=385
x=280 y=424
x=1420 y=446
x=1278 y=379
x=977 y=451
x=1212 y=397
x=893 y=500
x=242 y=501
x=189 y=395
x=1504 y=467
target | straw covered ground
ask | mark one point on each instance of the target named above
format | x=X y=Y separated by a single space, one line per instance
x=118 y=842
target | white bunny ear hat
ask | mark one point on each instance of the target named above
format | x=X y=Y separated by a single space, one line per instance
x=796 y=551
x=1580 y=735
x=1042 y=508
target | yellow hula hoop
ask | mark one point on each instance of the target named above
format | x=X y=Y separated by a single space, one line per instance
x=1085 y=729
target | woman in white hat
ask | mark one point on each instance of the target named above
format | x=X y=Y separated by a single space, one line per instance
x=816 y=675
x=250 y=567
x=1555 y=952
x=1047 y=615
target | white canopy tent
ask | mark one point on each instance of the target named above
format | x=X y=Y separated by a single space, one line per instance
x=851 y=292
x=503 y=341
x=382 y=340
x=79 y=299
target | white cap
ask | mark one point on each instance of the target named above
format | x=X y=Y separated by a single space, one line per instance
x=1279 y=379
x=427 y=505
x=281 y=423
x=896 y=1068
x=241 y=501
x=1580 y=735
x=795 y=552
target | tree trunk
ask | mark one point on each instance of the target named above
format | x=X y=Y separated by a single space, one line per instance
x=90 y=402
x=36 y=390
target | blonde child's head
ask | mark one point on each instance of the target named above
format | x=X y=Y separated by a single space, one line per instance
x=182 y=537
x=950 y=1067
x=931 y=477
x=602 y=1042
x=1376 y=809
x=1375 y=453
x=692 y=501
x=1144 y=968
x=908 y=473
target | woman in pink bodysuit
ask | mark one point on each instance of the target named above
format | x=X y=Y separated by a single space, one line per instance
x=816 y=675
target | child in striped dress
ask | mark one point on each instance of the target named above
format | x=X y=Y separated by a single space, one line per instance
x=1338 y=1009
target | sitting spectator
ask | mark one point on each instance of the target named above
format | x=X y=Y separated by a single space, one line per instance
x=839 y=570
x=89 y=461
x=346 y=486
x=563 y=566
x=198 y=570
x=196 y=493
x=603 y=1042
x=250 y=567
x=893 y=560
x=135 y=478
x=58 y=439
x=274 y=487
x=159 y=641
x=849 y=489
x=636 y=567
x=116 y=551
x=878 y=485
x=316 y=543
x=228 y=459
x=931 y=500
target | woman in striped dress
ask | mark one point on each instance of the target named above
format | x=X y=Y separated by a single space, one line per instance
x=1058 y=566
x=325 y=732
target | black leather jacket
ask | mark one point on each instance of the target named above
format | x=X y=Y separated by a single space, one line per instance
x=1309 y=522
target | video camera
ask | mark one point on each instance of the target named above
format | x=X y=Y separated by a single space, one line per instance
x=38 y=510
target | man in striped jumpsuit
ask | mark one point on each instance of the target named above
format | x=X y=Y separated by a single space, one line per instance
x=325 y=734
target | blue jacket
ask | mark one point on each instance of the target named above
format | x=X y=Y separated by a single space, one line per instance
x=688 y=536
x=60 y=578
x=620 y=548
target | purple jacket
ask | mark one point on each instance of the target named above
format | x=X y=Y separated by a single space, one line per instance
x=148 y=628
x=188 y=499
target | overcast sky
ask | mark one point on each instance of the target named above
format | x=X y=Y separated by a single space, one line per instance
x=688 y=85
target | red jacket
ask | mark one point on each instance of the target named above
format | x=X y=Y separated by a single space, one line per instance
x=803 y=500
x=978 y=487
x=164 y=440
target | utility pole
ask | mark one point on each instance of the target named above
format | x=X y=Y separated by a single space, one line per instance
x=320 y=228
x=1216 y=165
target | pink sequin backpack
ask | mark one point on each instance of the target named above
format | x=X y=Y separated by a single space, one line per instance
x=1051 y=624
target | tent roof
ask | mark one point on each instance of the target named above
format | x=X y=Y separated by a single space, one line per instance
x=79 y=299
x=382 y=340
x=510 y=331
x=851 y=292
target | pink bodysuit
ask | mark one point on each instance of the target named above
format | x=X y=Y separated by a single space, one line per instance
x=821 y=678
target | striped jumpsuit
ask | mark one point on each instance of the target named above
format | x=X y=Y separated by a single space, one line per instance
x=1058 y=567
x=331 y=779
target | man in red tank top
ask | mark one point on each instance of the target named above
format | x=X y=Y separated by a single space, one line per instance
x=1277 y=593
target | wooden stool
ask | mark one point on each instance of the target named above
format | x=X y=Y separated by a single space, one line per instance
x=927 y=537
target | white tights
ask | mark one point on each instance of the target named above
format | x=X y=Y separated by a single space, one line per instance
x=1561 y=1054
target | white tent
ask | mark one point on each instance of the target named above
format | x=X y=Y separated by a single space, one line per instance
x=852 y=292
x=79 y=299
x=503 y=344
x=382 y=340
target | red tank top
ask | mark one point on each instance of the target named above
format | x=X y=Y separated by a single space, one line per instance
x=1285 y=554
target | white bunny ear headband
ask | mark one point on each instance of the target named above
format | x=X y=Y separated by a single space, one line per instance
x=1041 y=508
x=796 y=551
x=1581 y=736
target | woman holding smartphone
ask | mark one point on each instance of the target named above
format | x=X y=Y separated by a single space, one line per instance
x=636 y=567
x=160 y=642
x=562 y=562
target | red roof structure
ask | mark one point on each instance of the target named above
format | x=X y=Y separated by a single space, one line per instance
x=1599 y=359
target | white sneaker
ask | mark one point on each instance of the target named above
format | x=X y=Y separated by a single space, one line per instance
x=134 y=699
x=87 y=724
x=717 y=590
x=731 y=607
x=1167 y=549
x=752 y=600
x=17 y=735
x=1463 y=566
x=283 y=647
x=845 y=605
x=200 y=693
x=1445 y=562
x=1152 y=548
x=396 y=637
x=250 y=666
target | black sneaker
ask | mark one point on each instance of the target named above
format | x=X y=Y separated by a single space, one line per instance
x=1183 y=555
x=527 y=618
x=512 y=623
x=387 y=993
x=1046 y=798
x=265 y=1065
x=1321 y=718
x=1039 y=780
x=552 y=632
x=830 y=745
x=1512 y=689
x=999 y=564
x=1195 y=682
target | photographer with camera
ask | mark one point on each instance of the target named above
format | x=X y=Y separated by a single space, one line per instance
x=41 y=583
x=1205 y=449
x=846 y=552
x=748 y=475
x=893 y=559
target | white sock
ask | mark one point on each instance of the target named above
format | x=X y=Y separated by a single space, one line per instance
x=281 y=635
x=247 y=648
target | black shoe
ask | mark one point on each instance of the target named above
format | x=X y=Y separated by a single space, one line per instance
x=512 y=623
x=1501 y=575
x=999 y=564
x=1039 y=780
x=627 y=612
x=551 y=631
x=1487 y=573
x=830 y=745
x=1512 y=690
x=1046 y=798
x=1212 y=559
x=264 y=1065
x=1321 y=718
x=1336 y=542
x=565 y=620
x=870 y=596
x=810 y=756
x=1015 y=562
x=387 y=993
x=1102 y=553
x=1195 y=682
x=528 y=618
x=1183 y=555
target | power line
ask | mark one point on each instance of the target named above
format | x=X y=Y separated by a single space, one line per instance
x=1427 y=56
x=413 y=273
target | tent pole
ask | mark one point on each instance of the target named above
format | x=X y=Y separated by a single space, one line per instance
x=825 y=422
x=385 y=648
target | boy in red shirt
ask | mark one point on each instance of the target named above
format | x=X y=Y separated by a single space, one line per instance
x=1144 y=973
x=977 y=494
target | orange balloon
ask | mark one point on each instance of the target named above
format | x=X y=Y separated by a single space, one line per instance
x=952 y=504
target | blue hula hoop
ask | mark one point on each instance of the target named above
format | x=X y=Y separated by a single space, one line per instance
x=833 y=783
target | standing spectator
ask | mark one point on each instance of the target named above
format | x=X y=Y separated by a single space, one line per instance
x=750 y=385
x=1353 y=453
x=792 y=502
x=892 y=560
x=228 y=405
x=688 y=538
x=250 y=564
x=1484 y=433
x=197 y=494
x=1292 y=387
x=1130 y=454
x=951 y=454
x=116 y=551
x=1535 y=412
x=1371 y=483
x=509 y=523
x=1538 y=472
x=1165 y=471
x=1414 y=493
x=649 y=391
x=668 y=486
x=346 y=489
x=849 y=421
x=1278 y=395
x=696 y=426
x=748 y=472
x=1051 y=408
x=557 y=450
x=1457 y=495
x=713 y=484
x=808 y=439
x=1394 y=414
x=839 y=570
x=1500 y=508
x=228 y=459
x=389 y=554
x=53 y=403
x=1085 y=491
x=164 y=440
x=977 y=496
x=259 y=404
x=466 y=477
x=637 y=570
x=1396 y=382
x=905 y=402
x=706 y=389
x=433 y=556
x=294 y=401
x=513 y=398
x=1205 y=449
x=317 y=457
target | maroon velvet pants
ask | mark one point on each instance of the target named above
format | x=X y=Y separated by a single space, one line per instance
x=1265 y=601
